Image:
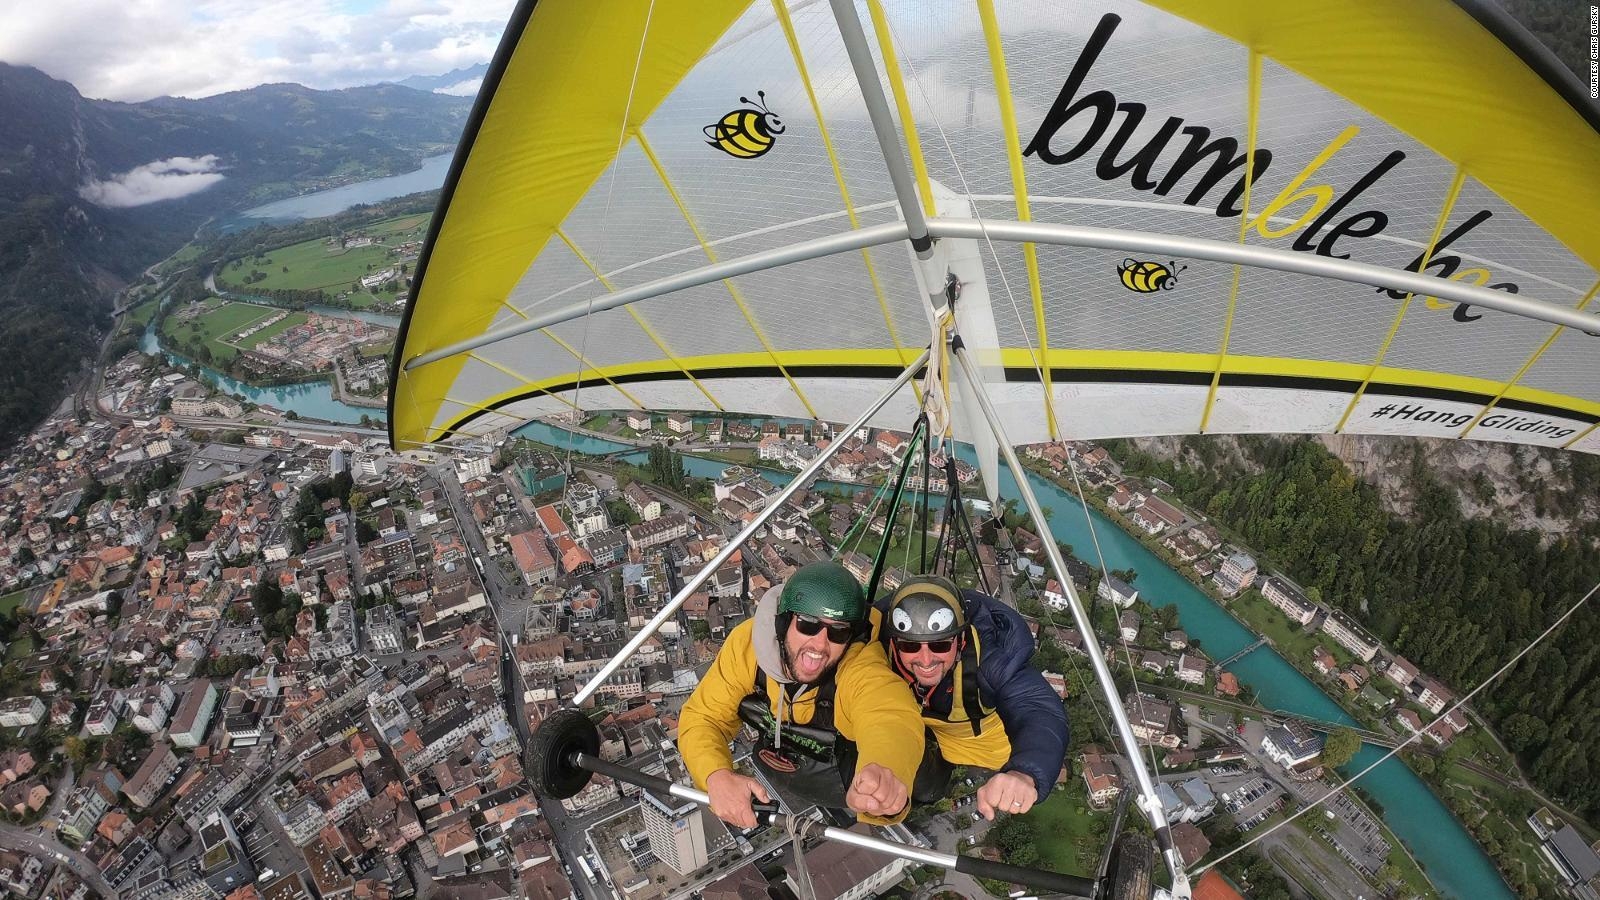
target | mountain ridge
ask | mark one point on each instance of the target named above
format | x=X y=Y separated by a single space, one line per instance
x=156 y=171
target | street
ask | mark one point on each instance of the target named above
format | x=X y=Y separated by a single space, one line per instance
x=500 y=588
x=47 y=848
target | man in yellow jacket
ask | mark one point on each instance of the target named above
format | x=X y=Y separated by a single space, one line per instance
x=835 y=726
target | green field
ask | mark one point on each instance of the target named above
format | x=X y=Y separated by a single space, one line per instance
x=318 y=265
x=12 y=601
x=185 y=255
x=140 y=315
x=1068 y=834
x=221 y=322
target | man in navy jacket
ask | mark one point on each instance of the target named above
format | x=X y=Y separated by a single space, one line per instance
x=965 y=655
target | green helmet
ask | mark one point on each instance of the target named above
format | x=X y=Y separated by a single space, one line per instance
x=826 y=590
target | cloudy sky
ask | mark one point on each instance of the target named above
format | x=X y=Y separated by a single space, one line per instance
x=137 y=49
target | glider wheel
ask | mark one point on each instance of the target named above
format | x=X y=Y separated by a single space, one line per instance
x=1131 y=864
x=550 y=753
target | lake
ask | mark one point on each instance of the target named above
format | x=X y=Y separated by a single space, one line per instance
x=336 y=200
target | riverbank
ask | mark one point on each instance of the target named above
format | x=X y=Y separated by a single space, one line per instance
x=1509 y=850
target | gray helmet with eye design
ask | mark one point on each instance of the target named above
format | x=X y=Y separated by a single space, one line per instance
x=926 y=608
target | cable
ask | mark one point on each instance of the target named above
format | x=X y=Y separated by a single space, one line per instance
x=605 y=218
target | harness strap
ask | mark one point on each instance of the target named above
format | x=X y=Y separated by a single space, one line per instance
x=970 y=698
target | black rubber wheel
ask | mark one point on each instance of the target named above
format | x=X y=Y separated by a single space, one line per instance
x=558 y=737
x=1132 y=863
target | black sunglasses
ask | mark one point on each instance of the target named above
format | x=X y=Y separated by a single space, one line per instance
x=838 y=632
x=912 y=647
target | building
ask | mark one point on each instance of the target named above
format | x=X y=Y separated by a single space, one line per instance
x=677 y=832
x=1292 y=745
x=1150 y=718
x=1288 y=598
x=1186 y=801
x=1156 y=515
x=147 y=784
x=532 y=557
x=1575 y=859
x=20 y=712
x=1101 y=781
x=470 y=467
x=1192 y=668
x=1237 y=573
x=551 y=522
x=1401 y=671
x=1128 y=626
x=385 y=632
x=641 y=502
x=639 y=420
x=1349 y=635
x=668 y=527
x=1117 y=591
x=1431 y=694
x=680 y=423
x=188 y=727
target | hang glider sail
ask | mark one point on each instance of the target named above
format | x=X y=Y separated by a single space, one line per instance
x=1084 y=171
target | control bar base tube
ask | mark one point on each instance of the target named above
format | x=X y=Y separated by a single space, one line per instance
x=1070 y=885
x=743 y=536
x=1149 y=801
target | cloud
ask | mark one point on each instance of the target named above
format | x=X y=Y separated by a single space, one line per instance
x=468 y=88
x=164 y=179
x=132 y=51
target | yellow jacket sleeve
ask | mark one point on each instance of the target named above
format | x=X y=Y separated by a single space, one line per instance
x=875 y=708
x=710 y=719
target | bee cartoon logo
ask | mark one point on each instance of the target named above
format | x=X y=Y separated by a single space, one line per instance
x=1148 y=277
x=746 y=133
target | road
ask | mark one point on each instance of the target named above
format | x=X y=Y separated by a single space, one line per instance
x=47 y=847
x=500 y=590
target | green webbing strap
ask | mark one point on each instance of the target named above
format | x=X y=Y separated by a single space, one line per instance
x=918 y=435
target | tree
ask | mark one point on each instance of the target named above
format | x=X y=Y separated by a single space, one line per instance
x=77 y=751
x=1523 y=731
x=1340 y=747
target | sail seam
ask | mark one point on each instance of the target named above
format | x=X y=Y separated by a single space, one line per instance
x=1548 y=342
x=582 y=361
x=711 y=254
x=787 y=22
x=506 y=370
x=1422 y=266
x=1019 y=190
x=637 y=316
x=1253 y=121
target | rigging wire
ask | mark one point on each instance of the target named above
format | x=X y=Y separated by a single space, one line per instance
x=1414 y=736
x=605 y=231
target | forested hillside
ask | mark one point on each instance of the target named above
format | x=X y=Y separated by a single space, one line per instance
x=1457 y=596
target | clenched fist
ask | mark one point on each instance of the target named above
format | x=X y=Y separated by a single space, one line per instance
x=876 y=792
x=1007 y=792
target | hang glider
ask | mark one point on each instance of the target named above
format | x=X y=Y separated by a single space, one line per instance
x=1089 y=220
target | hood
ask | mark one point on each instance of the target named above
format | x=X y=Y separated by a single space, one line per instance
x=764 y=636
